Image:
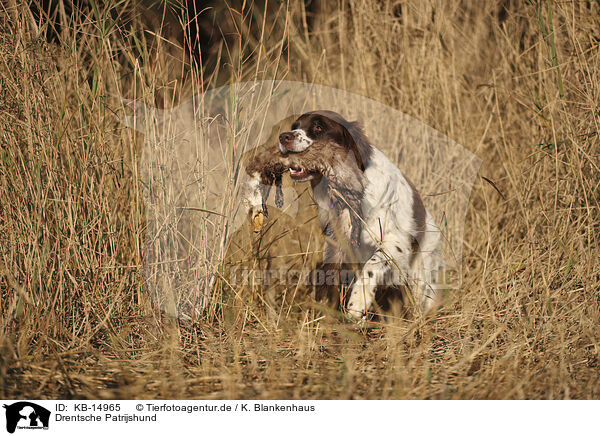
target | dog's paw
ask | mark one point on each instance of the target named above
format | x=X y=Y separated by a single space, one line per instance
x=356 y=313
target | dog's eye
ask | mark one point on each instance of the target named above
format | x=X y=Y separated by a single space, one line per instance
x=318 y=128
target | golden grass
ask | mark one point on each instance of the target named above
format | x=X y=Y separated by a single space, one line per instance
x=516 y=84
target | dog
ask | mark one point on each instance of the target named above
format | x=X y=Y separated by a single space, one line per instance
x=399 y=243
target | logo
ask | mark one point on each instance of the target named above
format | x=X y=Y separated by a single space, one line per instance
x=26 y=415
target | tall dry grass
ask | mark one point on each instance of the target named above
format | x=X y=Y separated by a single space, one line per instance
x=515 y=83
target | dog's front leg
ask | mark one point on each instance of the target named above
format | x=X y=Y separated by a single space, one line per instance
x=374 y=273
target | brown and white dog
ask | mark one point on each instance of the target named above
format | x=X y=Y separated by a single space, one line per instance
x=399 y=241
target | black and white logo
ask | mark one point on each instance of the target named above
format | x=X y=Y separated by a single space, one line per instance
x=26 y=415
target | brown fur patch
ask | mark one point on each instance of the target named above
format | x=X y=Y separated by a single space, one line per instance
x=419 y=216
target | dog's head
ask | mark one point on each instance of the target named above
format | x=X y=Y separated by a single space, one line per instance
x=324 y=127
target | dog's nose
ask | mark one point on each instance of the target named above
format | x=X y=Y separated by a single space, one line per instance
x=286 y=138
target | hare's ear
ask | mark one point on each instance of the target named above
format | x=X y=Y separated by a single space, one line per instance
x=265 y=189
x=356 y=229
x=278 y=192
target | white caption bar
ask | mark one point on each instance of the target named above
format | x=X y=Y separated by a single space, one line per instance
x=24 y=417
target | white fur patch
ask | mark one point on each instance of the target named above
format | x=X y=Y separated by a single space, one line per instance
x=301 y=142
x=252 y=195
x=389 y=230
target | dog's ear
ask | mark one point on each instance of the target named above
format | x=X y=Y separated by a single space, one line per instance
x=358 y=143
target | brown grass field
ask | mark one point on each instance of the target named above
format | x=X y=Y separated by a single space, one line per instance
x=517 y=83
